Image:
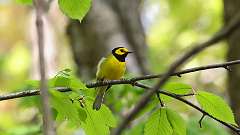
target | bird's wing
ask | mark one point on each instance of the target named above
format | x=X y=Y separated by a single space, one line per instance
x=99 y=74
x=100 y=90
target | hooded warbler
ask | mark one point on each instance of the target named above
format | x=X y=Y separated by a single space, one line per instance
x=110 y=68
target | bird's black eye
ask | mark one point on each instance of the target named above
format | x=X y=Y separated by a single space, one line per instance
x=121 y=50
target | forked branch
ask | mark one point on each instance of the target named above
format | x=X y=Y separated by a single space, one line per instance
x=222 y=34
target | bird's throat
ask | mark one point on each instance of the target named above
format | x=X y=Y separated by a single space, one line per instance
x=120 y=58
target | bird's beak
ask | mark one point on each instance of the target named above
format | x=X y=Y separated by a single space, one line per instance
x=130 y=52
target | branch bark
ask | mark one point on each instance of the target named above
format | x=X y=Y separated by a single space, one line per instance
x=47 y=115
x=224 y=65
x=223 y=33
x=27 y=93
x=177 y=97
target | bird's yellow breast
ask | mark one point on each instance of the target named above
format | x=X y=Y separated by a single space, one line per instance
x=110 y=68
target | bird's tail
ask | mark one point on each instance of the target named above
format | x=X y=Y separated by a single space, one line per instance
x=99 y=98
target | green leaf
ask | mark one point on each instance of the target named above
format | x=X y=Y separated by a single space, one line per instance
x=76 y=84
x=177 y=122
x=158 y=124
x=165 y=122
x=98 y=121
x=215 y=106
x=33 y=101
x=75 y=9
x=59 y=81
x=32 y=84
x=108 y=117
x=82 y=114
x=65 y=78
x=28 y=2
x=62 y=82
x=65 y=73
x=136 y=130
x=66 y=110
x=177 y=88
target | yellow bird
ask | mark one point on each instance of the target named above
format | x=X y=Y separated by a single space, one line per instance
x=110 y=68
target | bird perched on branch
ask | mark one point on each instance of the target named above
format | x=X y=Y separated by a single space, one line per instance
x=110 y=68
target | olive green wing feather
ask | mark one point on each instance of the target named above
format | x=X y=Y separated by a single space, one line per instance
x=100 y=74
x=100 y=90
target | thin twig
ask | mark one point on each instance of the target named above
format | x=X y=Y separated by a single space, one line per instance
x=27 y=93
x=159 y=99
x=186 y=71
x=223 y=33
x=186 y=95
x=47 y=114
x=201 y=119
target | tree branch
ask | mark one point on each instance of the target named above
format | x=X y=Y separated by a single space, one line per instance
x=186 y=71
x=132 y=81
x=223 y=33
x=175 y=96
x=28 y=93
x=47 y=115
x=122 y=81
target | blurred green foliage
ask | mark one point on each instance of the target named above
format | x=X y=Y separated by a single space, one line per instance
x=179 y=24
x=27 y=2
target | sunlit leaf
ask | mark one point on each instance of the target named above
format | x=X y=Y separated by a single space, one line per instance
x=76 y=84
x=32 y=84
x=98 y=121
x=75 y=9
x=177 y=122
x=176 y=88
x=66 y=110
x=165 y=122
x=65 y=78
x=136 y=130
x=215 y=106
x=61 y=81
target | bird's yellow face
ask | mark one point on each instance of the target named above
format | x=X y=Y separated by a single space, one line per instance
x=120 y=53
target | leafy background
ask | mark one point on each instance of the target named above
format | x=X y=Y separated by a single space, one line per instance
x=167 y=27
